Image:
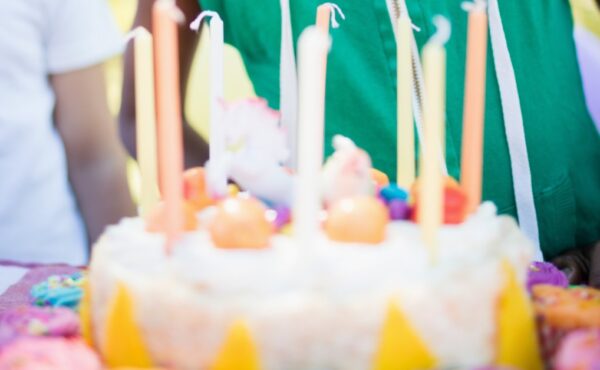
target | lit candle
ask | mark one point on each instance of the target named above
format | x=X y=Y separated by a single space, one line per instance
x=165 y=18
x=405 y=168
x=474 y=105
x=218 y=180
x=431 y=182
x=145 y=119
x=313 y=47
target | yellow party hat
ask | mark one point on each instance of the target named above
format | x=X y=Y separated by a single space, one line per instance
x=400 y=347
x=85 y=314
x=517 y=341
x=238 y=351
x=124 y=345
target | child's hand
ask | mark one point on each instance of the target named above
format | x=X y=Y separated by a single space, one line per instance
x=582 y=265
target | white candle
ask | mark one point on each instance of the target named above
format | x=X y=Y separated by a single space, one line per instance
x=313 y=47
x=218 y=183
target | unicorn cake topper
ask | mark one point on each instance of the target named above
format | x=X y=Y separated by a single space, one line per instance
x=255 y=149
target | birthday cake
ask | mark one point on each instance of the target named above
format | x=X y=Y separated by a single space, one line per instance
x=239 y=281
x=327 y=266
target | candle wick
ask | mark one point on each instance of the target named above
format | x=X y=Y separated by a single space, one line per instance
x=195 y=25
x=443 y=30
x=334 y=8
x=173 y=11
x=475 y=5
x=134 y=33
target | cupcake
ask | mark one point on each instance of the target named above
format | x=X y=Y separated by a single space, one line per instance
x=37 y=353
x=580 y=350
x=37 y=321
x=59 y=291
x=560 y=311
x=547 y=274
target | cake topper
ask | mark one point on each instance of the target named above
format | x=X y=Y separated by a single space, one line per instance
x=255 y=149
x=347 y=172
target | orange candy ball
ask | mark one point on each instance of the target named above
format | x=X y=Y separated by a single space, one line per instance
x=360 y=219
x=156 y=222
x=194 y=188
x=241 y=222
x=380 y=179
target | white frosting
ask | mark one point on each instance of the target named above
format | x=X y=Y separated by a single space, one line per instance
x=320 y=307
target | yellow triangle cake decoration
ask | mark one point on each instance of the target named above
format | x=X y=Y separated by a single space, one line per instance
x=124 y=344
x=400 y=347
x=85 y=314
x=517 y=340
x=238 y=351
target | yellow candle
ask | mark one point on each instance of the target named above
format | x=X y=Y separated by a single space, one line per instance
x=170 y=143
x=405 y=168
x=431 y=182
x=474 y=106
x=145 y=120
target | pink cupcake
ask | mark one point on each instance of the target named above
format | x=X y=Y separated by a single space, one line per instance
x=38 y=353
x=580 y=350
x=37 y=321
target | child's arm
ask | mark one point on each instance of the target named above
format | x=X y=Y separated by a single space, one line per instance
x=96 y=160
x=582 y=265
x=196 y=148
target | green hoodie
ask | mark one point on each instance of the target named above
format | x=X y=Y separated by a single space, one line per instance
x=562 y=142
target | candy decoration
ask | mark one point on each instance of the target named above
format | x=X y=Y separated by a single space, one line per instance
x=283 y=216
x=241 y=222
x=238 y=351
x=455 y=202
x=517 y=341
x=124 y=344
x=361 y=219
x=194 y=188
x=156 y=221
x=85 y=315
x=399 y=210
x=380 y=179
x=400 y=347
x=393 y=192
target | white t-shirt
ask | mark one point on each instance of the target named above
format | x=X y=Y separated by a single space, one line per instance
x=39 y=217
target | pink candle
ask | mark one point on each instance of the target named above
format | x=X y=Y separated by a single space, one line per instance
x=474 y=109
x=170 y=139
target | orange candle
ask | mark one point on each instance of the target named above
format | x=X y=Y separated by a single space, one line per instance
x=474 y=108
x=323 y=17
x=170 y=140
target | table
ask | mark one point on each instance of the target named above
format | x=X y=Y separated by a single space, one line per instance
x=18 y=294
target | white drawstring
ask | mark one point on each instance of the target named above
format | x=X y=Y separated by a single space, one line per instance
x=513 y=125
x=288 y=83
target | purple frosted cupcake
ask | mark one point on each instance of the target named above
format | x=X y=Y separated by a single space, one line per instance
x=37 y=321
x=547 y=274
